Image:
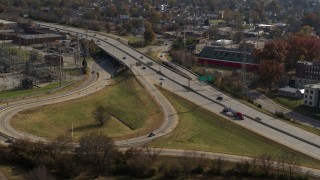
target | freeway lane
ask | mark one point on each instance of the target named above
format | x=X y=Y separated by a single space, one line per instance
x=205 y=95
x=96 y=83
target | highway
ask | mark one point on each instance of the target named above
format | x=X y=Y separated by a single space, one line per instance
x=97 y=81
x=205 y=96
x=197 y=92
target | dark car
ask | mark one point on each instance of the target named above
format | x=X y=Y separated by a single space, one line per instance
x=219 y=98
x=151 y=134
x=124 y=58
x=143 y=67
x=9 y=140
x=141 y=57
x=257 y=119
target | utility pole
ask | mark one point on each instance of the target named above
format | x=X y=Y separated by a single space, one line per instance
x=244 y=71
x=72 y=131
x=77 y=55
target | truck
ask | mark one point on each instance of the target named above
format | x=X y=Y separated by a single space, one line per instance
x=234 y=113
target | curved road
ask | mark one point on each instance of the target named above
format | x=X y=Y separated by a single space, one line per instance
x=98 y=80
x=197 y=92
x=205 y=96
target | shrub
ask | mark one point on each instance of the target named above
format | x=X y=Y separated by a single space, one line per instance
x=279 y=114
x=250 y=101
x=217 y=166
x=171 y=171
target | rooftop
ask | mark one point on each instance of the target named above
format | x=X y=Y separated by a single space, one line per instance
x=38 y=36
x=7 y=22
x=313 y=86
x=291 y=89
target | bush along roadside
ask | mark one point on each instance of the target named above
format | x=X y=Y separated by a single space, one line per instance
x=98 y=156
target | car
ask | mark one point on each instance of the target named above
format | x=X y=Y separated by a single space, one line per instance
x=226 y=109
x=161 y=55
x=141 y=57
x=257 y=119
x=124 y=58
x=152 y=134
x=9 y=140
x=162 y=78
x=143 y=67
x=239 y=115
x=219 y=98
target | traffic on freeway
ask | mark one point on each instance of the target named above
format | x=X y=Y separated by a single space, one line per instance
x=205 y=96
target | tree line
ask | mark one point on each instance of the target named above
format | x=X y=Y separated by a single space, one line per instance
x=96 y=155
x=281 y=55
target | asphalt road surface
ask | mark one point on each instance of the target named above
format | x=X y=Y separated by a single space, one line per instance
x=205 y=96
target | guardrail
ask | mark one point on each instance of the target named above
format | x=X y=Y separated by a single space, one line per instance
x=137 y=59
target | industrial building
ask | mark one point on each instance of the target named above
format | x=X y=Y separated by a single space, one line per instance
x=307 y=73
x=234 y=58
x=36 y=38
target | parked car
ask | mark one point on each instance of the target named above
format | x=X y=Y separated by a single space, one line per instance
x=143 y=67
x=257 y=119
x=124 y=58
x=162 y=78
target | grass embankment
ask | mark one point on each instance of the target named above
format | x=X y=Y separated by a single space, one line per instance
x=134 y=39
x=29 y=92
x=296 y=105
x=126 y=99
x=200 y=129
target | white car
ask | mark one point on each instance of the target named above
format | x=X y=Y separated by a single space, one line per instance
x=162 y=78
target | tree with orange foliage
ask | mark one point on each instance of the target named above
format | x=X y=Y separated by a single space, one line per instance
x=270 y=71
x=275 y=50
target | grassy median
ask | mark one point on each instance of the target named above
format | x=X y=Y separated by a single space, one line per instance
x=124 y=98
x=199 y=129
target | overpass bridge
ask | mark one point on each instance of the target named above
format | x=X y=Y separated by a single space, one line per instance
x=202 y=95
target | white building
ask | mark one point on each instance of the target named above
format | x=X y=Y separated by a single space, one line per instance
x=291 y=92
x=311 y=95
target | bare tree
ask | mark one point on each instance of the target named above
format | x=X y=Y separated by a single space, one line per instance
x=243 y=167
x=60 y=145
x=217 y=165
x=98 y=150
x=139 y=163
x=38 y=173
x=265 y=162
x=186 y=161
x=101 y=115
x=153 y=153
x=293 y=165
x=254 y=165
